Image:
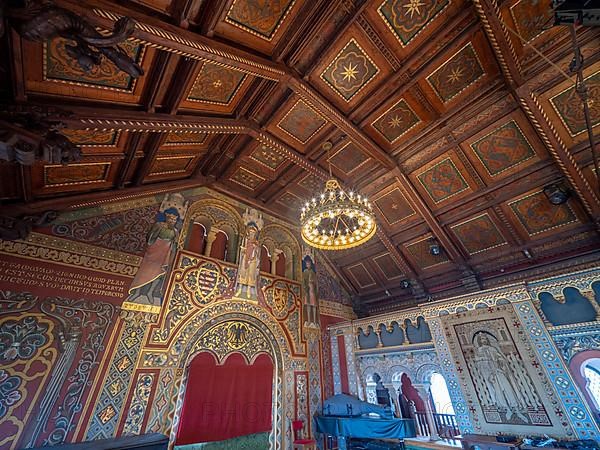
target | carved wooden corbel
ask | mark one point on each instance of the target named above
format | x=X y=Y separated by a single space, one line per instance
x=40 y=20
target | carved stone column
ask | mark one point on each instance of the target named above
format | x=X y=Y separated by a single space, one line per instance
x=357 y=339
x=210 y=239
x=378 y=333
x=394 y=398
x=423 y=390
x=274 y=259
x=405 y=334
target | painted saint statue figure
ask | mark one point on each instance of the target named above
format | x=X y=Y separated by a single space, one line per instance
x=146 y=290
x=309 y=287
x=249 y=259
x=503 y=386
x=162 y=240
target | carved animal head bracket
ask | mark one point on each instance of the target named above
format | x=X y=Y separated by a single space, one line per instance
x=29 y=134
x=40 y=21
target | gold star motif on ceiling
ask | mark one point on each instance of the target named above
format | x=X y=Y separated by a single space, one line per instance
x=349 y=72
x=217 y=83
x=412 y=7
x=395 y=121
x=455 y=75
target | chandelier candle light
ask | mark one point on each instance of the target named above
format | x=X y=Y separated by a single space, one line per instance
x=337 y=220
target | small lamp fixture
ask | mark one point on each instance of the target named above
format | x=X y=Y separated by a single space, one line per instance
x=405 y=284
x=557 y=193
x=434 y=248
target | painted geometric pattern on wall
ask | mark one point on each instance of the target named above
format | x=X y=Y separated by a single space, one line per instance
x=531 y=16
x=60 y=66
x=479 y=234
x=568 y=106
x=421 y=253
x=407 y=18
x=579 y=415
x=396 y=121
x=348 y=158
x=92 y=138
x=301 y=122
x=457 y=74
x=261 y=18
x=503 y=148
x=185 y=138
x=268 y=156
x=216 y=84
x=247 y=179
x=394 y=206
x=443 y=180
x=537 y=214
x=108 y=408
x=350 y=71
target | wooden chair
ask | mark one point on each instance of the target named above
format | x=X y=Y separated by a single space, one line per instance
x=299 y=442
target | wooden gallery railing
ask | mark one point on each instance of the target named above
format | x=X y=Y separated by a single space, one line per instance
x=445 y=425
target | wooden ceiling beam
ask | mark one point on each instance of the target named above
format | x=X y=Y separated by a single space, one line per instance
x=88 y=118
x=560 y=153
x=186 y=71
x=163 y=36
x=153 y=144
x=158 y=78
x=497 y=33
x=134 y=146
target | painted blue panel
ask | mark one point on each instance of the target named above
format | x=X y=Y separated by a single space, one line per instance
x=395 y=336
x=575 y=309
x=418 y=334
x=369 y=341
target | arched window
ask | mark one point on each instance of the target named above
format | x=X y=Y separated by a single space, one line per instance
x=265 y=259
x=196 y=239
x=440 y=394
x=591 y=373
x=219 y=246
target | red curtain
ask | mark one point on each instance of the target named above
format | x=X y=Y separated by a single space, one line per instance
x=219 y=246
x=196 y=239
x=265 y=261
x=225 y=401
x=409 y=391
x=280 y=265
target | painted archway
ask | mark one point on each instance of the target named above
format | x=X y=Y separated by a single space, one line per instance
x=259 y=335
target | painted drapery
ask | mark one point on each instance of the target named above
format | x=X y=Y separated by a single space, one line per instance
x=226 y=401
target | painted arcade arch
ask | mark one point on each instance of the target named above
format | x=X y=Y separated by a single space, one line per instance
x=215 y=216
x=277 y=240
x=264 y=336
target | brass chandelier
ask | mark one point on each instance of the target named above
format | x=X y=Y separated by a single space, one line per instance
x=337 y=220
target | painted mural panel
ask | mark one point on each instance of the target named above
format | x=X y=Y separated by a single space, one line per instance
x=504 y=390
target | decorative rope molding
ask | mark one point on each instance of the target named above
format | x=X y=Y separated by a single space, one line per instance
x=278 y=74
x=159 y=126
x=525 y=104
x=265 y=139
x=495 y=45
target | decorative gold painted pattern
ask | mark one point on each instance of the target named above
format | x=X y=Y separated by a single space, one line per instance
x=62 y=251
x=74 y=174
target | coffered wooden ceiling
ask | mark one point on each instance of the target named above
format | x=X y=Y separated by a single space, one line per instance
x=450 y=124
